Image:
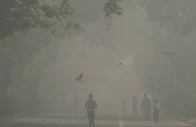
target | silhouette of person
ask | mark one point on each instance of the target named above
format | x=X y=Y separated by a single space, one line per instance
x=90 y=107
x=76 y=104
x=124 y=107
x=156 y=110
x=146 y=107
x=141 y=108
x=134 y=105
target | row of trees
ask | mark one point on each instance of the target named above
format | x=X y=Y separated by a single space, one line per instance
x=20 y=16
x=178 y=95
x=23 y=15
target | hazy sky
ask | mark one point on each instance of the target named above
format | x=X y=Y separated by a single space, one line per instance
x=96 y=52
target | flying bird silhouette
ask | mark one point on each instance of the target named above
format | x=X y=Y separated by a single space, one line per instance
x=121 y=64
x=79 y=79
x=168 y=53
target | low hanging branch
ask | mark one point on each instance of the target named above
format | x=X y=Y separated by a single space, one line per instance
x=22 y=15
x=112 y=7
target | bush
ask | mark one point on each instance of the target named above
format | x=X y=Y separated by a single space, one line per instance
x=7 y=105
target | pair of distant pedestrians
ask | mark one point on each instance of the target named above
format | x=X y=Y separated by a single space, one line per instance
x=146 y=107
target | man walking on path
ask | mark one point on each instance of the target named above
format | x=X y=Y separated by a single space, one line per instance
x=134 y=105
x=124 y=107
x=90 y=108
x=76 y=104
x=141 y=108
x=146 y=107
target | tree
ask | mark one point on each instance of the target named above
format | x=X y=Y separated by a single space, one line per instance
x=175 y=14
x=6 y=69
x=20 y=16
x=23 y=15
x=112 y=7
x=178 y=16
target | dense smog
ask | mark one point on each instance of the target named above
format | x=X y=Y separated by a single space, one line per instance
x=117 y=63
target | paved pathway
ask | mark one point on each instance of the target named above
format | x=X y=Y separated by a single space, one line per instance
x=71 y=122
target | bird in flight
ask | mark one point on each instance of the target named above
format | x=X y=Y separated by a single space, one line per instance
x=79 y=79
x=168 y=53
x=121 y=64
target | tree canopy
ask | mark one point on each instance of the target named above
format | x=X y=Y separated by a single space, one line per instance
x=22 y=15
x=175 y=14
x=112 y=7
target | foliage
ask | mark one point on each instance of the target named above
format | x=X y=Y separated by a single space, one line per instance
x=23 y=15
x=175 y=14
x=112 y=7
x=6 y=69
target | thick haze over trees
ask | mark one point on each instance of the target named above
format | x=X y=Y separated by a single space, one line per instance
x=46 y=43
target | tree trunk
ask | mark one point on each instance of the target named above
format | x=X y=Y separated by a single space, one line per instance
x=30 y=102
